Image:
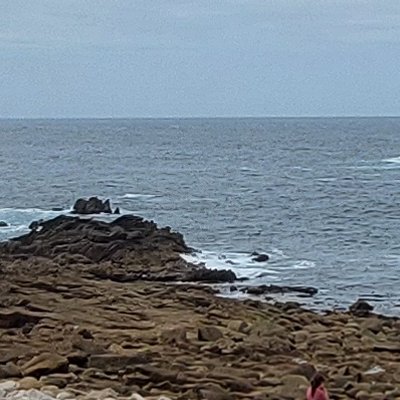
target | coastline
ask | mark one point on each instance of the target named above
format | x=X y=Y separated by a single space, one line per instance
x=75 y=321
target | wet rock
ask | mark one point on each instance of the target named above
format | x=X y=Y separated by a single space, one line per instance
x=209 y=334
x=117 y=211
x=275 y=289
x=260 y=257
x=44 y=364
x=210 y=275
x=93 y=205
x=361 y=308
x=35 y=225
x=3 y=224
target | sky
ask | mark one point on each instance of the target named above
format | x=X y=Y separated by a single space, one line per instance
x=184 y=58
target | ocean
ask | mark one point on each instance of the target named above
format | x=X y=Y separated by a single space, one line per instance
x=319 y=195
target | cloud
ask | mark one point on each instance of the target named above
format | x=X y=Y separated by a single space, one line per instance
x=130 y=25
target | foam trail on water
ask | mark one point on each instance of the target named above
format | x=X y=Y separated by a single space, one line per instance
x=138 y=196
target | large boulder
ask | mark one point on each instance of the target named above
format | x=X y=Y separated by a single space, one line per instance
x=3 y=224
x=92 y=206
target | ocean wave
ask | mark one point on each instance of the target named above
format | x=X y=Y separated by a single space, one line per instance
x=243 y=264
x=394 y=160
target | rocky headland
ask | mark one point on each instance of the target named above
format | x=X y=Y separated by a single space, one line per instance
x=103 y=310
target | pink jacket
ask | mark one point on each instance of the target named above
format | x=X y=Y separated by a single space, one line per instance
x=320 y=394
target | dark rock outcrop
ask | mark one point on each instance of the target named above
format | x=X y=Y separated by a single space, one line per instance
x=261 y=258
x=3 y=224
x=127 y=249
x=93 y=205
x=275 y=289
x=210 y=275
x=361 y=308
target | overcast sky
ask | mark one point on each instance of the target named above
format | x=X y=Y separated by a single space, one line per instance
x=157 y=58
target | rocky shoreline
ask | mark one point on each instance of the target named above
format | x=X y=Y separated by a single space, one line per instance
x=97 y=310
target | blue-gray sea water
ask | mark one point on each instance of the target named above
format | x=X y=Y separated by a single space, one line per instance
x=321 y=196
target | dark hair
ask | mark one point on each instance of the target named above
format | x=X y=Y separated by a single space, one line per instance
x=316 y=381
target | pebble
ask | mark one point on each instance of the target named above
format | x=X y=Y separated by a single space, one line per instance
x=9 y=391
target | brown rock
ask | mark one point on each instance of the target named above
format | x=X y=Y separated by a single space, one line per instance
x=10 y=370
x=59 y=380
x=362 y=395
x=117 y=362
x=28 y=383
x=239 y=326
x=213 y=392
x=209 y=334
x=373 y=324
x=44 y=364
x=176 y=336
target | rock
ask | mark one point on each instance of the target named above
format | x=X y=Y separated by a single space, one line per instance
x=174 y=336
x=136 y=396
x=31 y=394
x=57 y=209
x=9 y=370
x=210 y=275
x=44 y=364
x=3 y=224
x=374 y=325
x=59 y=380
x=8 y=386
x=295 y=380
x=261 y=257
x=101 y=394
x=363 y=395
x=271 y=289
x=35 y=225
x=17 y=319
x=28 y=383
x=209 y=334
x=361 y=308
x=117 y=211
x=117 y=362
x=238 y=326
x=213 y=392
x=92 y=206
x=65 y=395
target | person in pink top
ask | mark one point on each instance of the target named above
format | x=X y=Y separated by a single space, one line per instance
x=317 y=390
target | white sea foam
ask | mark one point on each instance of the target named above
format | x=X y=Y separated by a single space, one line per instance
x=395 y=160
x=18 y=219
x=138 y=196
x=277 y=267
x=304 y=264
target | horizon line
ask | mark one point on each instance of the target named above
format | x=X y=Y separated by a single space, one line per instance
x=198 y=117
